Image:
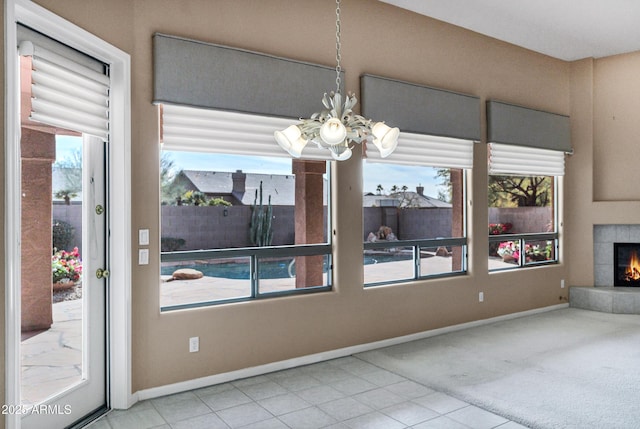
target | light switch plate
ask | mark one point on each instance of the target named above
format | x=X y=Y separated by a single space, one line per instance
x=143 y=256
x=143 y=237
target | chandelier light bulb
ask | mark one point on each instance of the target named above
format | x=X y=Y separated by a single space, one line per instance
x=385 y=138
x=290 y=139
x=333 y=132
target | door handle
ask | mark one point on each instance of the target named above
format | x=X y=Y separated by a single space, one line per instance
x=102 y=274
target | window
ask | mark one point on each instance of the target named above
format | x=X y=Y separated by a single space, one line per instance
x=236 y=221
x=414 y=217
x=526 y=160
x=418 y=191
x=522 y=218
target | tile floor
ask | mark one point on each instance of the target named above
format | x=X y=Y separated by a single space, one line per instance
x=339 y=394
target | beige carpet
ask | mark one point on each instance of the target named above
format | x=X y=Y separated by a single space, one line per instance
x=566 y=368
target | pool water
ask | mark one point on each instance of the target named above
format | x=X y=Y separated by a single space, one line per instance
x=237 y=270
x=268 y=269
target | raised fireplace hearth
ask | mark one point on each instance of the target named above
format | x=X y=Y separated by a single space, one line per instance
x=607 y=299
x=610 y=295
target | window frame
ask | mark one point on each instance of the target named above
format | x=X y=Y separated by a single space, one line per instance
x=522 y=239
x=254 y=254
x=417 y=244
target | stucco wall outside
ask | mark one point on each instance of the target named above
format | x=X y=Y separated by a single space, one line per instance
x=523 y=219
x=72 y=214
x=225 y=227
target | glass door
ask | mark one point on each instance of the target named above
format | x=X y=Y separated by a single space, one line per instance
x=63 y=278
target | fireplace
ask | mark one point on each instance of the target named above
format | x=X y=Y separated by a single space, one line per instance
x=626 y=263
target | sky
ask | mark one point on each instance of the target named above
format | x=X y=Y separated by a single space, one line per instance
x=66 y=146
x=374 y=174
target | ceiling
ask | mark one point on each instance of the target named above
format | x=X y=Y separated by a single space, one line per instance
x=565 y=29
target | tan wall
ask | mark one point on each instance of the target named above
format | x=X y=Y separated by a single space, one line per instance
x=616 y=158
x=603 y=173
x=579 y=178
x=377 y=39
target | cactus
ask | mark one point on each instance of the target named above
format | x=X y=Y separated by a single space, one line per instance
x=260 y=231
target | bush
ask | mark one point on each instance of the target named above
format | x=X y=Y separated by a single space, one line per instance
x=66 y=266
x=171 y=244
x=63 y=234
x=193 y=198
x=219 y=202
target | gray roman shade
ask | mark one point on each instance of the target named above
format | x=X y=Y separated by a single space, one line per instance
x=437 y=127
x=420 y=109
x=521 y=126
x=198 y=74
x=227 y=100
x=526 y=142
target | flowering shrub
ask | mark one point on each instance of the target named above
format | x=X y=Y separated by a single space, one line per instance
x=509 y=248
x=66 y=266
x=534 y=252
x=499 y=228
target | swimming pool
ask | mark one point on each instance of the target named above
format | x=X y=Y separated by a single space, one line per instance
x=270 y=269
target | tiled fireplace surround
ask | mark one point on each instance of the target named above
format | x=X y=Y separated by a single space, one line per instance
x=604 y=297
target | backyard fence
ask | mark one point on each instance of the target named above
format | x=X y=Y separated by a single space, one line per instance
x=217 y=227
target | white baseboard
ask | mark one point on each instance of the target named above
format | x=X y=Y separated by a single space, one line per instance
x=197 y=383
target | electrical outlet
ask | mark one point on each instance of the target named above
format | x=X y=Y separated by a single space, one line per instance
x=562 y=284
x=194 y=344
x=481 y=297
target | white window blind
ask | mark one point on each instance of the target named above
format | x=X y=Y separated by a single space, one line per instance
x=205 y=130
x=507 y=159
x=67 y=94
x=418 y=149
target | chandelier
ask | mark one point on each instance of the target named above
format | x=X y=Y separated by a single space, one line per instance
x=336 y=127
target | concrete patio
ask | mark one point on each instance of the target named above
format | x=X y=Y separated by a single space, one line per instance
x=52 y=359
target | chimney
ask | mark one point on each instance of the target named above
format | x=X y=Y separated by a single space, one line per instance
x=239 y=182
x=420 y=190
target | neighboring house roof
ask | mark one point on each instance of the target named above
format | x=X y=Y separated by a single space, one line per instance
x=404 y=199
x=374 y=200
x=281 y=188
x=209 y=182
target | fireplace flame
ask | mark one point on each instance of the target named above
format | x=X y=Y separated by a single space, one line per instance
x=632 y=272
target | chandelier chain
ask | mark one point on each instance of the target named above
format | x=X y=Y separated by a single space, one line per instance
x=338 y=46
x=336 y=127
